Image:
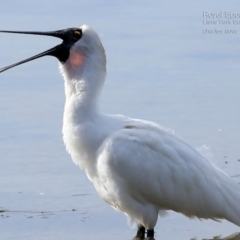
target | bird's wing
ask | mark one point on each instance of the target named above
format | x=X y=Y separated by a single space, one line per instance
x=148 y=164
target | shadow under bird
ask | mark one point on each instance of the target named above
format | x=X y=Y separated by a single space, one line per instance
x=138 y=167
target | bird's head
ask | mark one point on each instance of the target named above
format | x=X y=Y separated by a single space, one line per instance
x=86 y=57
x=80 y=53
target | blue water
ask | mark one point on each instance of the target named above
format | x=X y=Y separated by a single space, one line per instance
x=161 y=67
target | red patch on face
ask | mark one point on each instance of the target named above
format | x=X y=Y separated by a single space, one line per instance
x=76 y=59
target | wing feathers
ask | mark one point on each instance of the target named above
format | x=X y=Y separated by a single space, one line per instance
x=152 y=166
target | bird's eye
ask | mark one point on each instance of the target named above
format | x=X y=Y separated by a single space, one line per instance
x=77 y=34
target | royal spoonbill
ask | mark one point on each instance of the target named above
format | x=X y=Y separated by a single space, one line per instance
x=137 y=166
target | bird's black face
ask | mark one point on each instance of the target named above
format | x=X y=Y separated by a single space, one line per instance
x=61 y=51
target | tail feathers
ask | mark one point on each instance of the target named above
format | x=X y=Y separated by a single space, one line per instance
x=231 y=195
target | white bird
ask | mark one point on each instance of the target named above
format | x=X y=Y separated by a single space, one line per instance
x=137 y=166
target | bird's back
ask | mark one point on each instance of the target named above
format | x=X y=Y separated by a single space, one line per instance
x=146 y=165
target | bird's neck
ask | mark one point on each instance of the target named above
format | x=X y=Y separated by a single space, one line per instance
x=84 y=75
x=82 y=89
x=81 y=98
x=81 y=117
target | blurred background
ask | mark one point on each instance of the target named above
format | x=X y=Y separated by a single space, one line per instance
x=175 y=63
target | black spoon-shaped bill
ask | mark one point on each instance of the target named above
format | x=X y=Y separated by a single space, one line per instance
x=61 y=51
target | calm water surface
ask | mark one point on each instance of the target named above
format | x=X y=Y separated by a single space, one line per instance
x=161 y=67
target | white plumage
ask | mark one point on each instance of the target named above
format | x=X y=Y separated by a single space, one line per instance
x=138 y=167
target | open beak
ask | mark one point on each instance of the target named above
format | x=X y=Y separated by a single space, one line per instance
x=61 y=51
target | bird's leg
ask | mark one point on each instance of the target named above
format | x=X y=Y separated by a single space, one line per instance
x=140 y=233
x=150 y=234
